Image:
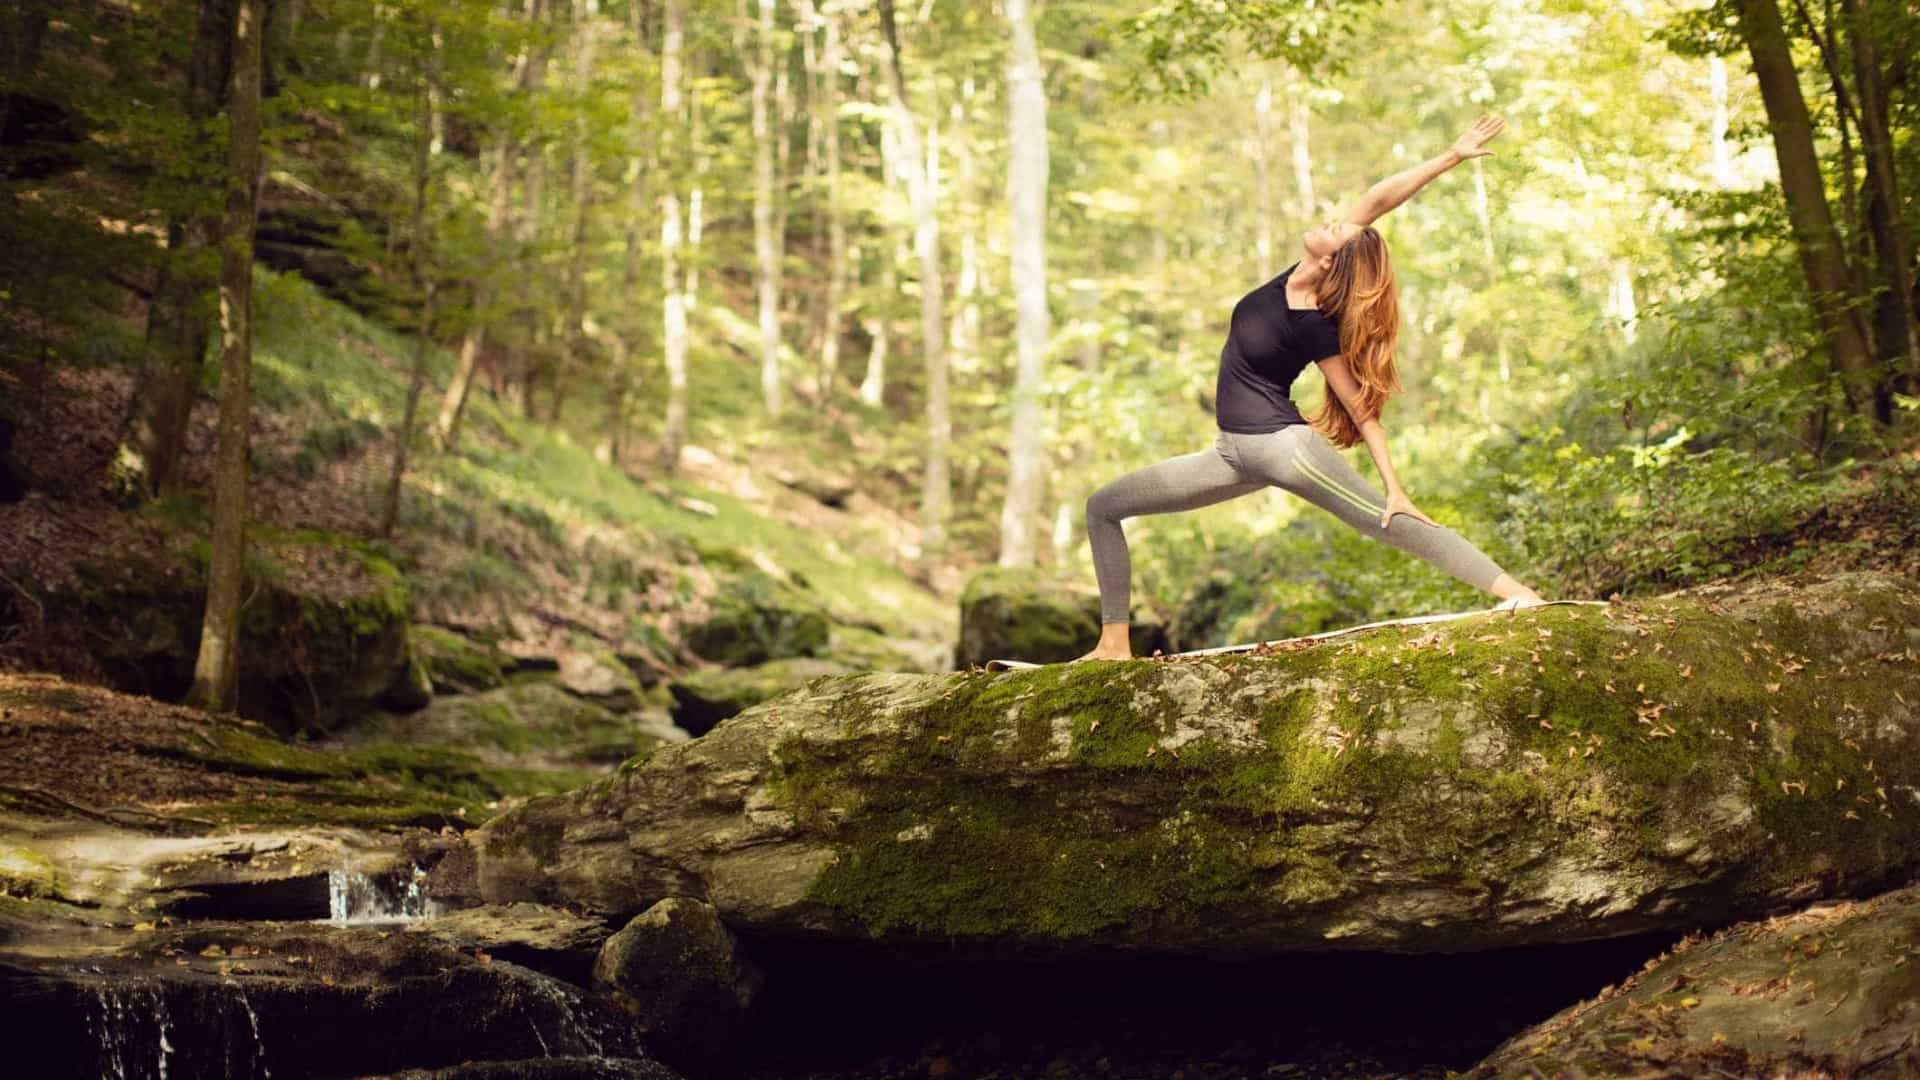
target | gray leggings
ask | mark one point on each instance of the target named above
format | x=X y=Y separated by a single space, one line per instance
x=1297 y=459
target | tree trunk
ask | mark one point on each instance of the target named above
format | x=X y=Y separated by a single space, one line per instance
x=25 y=23
x=574 y=347
x=836 y=214
x=1263 y=176
x=696 y=198
x=1895 y=335
x=935 y=492
x=1490 y=263
x=624 y=334
x=1717 y=127
x=1821 y=258
x=500 y=185
x=765 y=244
x=216 y=668
x=1027 y=198
x=1299 y=127
x=423 y=280
x=521 y=363
x=180 y=316
x=674 y=337
x=963 y=338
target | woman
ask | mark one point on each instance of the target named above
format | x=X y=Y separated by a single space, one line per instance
x=1336 y=307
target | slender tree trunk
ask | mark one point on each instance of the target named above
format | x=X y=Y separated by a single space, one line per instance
x=1263 y=176
x=935 y=490
x=216 y=668
x=1822 y=260
x=180 y=316
x=1717 y=127
x=964 y=336
x=1895 y=334
x=500 y=191
x=765 y=245
x=1482 y=211
x=423 y=280
x=836 y=213
x=1027 y=198
x=674 y=337
x=1299 y=128
x=499 y=187
x=696 y=199
x=575 y=344
x=523 y=362
x=25 y=23
x=626 y=333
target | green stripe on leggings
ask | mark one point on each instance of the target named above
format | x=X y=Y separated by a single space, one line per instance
x=1328 y=482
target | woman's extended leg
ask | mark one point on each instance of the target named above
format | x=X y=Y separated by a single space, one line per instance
x=1300 y=460
x=1186 y=482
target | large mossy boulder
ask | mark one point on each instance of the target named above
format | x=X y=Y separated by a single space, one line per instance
x=531 y=723
x=323 y=633
x=456 y=663
x=1552 y=774
x=1011 y=613
x=755 y=619
x=702 y=699
x=1830 y=991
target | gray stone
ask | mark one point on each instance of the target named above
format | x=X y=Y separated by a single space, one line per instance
x=688 y=985
x=1027 y=614
x=702 y=699
x=1833 y=990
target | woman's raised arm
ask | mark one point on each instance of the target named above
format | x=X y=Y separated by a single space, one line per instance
x=1400 y=187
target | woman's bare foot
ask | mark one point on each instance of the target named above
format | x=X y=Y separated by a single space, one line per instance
x=1113 y=645
x=1512 y=594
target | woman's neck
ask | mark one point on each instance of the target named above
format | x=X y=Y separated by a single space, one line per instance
x=1303 y=286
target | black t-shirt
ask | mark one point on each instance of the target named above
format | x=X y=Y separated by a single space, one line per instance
x=1268 y=345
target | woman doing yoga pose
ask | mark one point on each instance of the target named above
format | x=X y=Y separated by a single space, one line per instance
x=1336 y=307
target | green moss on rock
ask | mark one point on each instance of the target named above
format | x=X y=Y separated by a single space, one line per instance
x=456 y=663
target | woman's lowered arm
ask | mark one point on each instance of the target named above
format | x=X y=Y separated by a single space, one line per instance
x=1400 y=187
x=1341 y=383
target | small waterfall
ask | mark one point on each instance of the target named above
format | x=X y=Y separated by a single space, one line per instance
x=160 y=1017
x=253 y=1025
x=128 y=1023
x=355 y=899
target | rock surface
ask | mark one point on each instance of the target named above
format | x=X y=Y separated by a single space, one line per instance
x=686 y=982
x=1019 y=614
x=456 y=663
x=531 y=723
x=759 y=619
x=704 y=698
x=1830 y=991
x=318 y=662
x=1552 y=774
x=549 y=940
x=259 y=1000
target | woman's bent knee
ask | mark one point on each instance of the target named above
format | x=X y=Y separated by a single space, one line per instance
x=1103 y=505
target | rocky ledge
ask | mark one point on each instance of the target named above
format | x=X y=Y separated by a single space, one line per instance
x=1561 y=773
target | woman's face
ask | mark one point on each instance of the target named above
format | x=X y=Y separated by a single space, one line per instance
x=1325 y=239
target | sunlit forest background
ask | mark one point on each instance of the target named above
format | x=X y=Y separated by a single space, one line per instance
x=613 y=270
x=537 y=537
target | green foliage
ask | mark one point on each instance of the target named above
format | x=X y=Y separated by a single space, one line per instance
x=1182 y=43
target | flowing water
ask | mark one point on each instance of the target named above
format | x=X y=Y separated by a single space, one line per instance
x=354 y=899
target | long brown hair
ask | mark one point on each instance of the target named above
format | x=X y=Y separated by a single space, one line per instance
x=1360 y=294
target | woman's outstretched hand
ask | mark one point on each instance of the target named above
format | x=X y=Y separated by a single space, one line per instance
x=1473 y=143
x=1398 y=503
